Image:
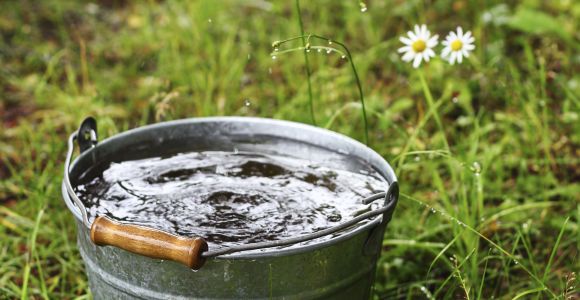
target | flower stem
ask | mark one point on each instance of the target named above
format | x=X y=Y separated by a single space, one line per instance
x=347 y=54
x=360 y=91
x=429 y=98
x=307 y=63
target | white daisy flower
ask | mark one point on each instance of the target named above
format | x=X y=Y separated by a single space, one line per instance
x=418 y=45
x=457 y=45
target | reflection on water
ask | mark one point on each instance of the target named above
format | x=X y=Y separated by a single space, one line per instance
x=227 y=198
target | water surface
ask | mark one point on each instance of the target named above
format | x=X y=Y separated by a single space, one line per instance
x=228 y=198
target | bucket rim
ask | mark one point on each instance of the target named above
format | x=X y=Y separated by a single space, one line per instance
x=265 y=252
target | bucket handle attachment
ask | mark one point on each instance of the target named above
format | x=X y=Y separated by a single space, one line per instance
x=137 y=239
x=191 y=252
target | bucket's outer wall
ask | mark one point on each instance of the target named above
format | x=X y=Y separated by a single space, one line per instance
x=340 y=271
x=341 y=268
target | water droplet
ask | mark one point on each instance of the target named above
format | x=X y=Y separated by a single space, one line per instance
x=328 y=51
x=92 y=8
x=247 y=102
x=274 y=57
x=363 y=6
x=433 y=210
x=209 y=20
x=343 y=57
x=329 y=42
x=455 y=100
x=476 y=167
x=417 y=158
x=275 y=49
x=307 y=50
x=319 y=50
x=460 y=223
x=516 y=262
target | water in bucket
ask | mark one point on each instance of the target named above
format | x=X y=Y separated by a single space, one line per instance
x=227 y=197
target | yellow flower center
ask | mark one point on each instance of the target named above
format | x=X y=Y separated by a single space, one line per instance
x=419 y=46
x=456 y=45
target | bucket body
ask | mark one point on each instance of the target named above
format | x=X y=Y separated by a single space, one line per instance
x=338 y=267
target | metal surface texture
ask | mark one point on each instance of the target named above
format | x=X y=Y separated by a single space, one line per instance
x=341 y=267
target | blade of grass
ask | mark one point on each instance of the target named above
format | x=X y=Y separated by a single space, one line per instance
x=501 y=249
x=32 y=248
x=43 y=288
x=339 y=112
x=307 y=63
x=457 y=266
x=528 y=248
x=415 y=133
x=517 y=208
x=430 y=102
x=480 y=291
x=441 y=253
x=413 y=243
x=530 y=291
x=554 y=249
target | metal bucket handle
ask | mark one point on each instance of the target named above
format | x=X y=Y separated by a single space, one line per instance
x=192 y=252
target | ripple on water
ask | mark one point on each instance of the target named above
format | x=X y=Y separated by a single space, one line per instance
x=228 y=198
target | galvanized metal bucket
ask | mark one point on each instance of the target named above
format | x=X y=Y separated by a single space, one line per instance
x=340 y=266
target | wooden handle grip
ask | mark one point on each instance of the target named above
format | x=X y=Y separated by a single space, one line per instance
x=149 y=242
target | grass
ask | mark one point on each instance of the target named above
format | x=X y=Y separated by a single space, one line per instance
x=487 y=152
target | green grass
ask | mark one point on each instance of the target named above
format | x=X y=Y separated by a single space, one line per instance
x=493 y=214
